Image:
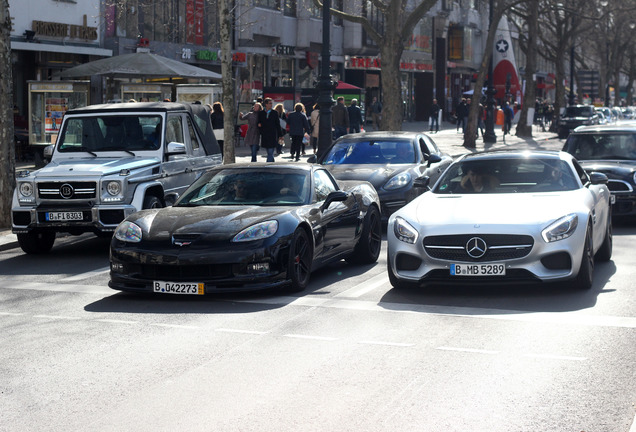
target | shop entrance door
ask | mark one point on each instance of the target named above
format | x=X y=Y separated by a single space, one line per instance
x=423 y=95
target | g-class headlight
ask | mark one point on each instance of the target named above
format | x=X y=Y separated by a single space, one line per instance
x=26 y=189
x=113 y=188
x=560 y=229
x=112 y=191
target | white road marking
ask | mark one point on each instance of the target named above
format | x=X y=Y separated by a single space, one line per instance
x=86 y=275
x=365 y=287
x=321 y=338
x=11 y=314
x=177 y=326
x=253 y=332
x=114 y=321
x=470 y=350
x=555 y=357
x=395 y=344
x=57 y=317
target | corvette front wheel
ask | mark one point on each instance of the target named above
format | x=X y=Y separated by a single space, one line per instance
x=300 y=260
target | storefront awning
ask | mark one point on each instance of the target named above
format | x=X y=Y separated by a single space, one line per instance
x=344 y=86
x=70 y=49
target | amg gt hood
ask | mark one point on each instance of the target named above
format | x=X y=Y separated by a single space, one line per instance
x=492 y=209
x=211 y=223
x=377 y=175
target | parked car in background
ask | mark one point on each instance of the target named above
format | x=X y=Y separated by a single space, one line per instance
x=575 y=116
x=504 y=217
x=393 y=162
x=607 y=113
x=609 y=149
x=110 y=161
x=247 y=227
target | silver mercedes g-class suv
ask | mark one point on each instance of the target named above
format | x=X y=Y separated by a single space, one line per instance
x=110 y=161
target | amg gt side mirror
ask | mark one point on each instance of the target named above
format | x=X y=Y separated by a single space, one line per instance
x=597 y=178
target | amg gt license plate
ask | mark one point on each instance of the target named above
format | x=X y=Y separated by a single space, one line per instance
x=64 y=216
x=191 y=288
x=478 y=270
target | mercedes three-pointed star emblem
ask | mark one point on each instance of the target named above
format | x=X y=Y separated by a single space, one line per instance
x=476 y=247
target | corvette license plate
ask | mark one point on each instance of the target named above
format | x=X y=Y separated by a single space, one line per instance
x=478 y=270
x=191 y=288
x=64 y=216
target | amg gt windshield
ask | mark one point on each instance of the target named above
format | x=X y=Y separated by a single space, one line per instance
x=389 y=151
x=604 y=146
x=506 y=175
x=111 y=133
x=248 y=187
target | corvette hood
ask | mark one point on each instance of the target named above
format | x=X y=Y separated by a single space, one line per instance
x=377 y=175
x=481 y=210
x=211 y=223
x=96 y=167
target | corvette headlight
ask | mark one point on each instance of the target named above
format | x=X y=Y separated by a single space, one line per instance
x=560 y=229
x=397 y=182
x=113 y=188
x=128 y=232
x=257 y=232
x=26 y=189
x=404 y=231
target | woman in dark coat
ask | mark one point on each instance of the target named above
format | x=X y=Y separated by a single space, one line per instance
x=298 y=126
x=253 y=134
x=217 y=123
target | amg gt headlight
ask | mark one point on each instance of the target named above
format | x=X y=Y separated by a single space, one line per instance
x=257 y=232
x=560 y=229
x=128 y=232
x=397 y=182
x=113 y=188
x=634 y=177
x=404 y=231
x=26 y=189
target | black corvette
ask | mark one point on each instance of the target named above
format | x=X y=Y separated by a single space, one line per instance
x=247 y=227
x=391 y=161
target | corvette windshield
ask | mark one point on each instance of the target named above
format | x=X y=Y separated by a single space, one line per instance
x=389 y=151
x=504 y=176
x=592 y=146
x=248 y=187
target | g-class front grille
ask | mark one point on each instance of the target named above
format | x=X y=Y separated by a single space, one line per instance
x=67 y=190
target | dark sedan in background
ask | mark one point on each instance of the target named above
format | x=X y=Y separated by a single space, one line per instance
x=610 y=149
x=391 y=161
x=247 y=227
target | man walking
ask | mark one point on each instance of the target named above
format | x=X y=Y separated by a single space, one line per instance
x=340 y=119
x=355 y=116
x=269 y=124
x=461 y=112
x=376 y=112
x=298 y=126
x=434 y=121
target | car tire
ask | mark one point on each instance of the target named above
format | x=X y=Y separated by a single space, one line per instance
x=36 y=242
x=604 y=253
x=151 y=202
x=585 y=277
x=299 y=261
x=369 y=244
x=400 y=284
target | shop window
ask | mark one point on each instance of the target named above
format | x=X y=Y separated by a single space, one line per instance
x=455 y=43
x=314 y=11
x=337 y=5
x=269 y=4
x=282 y=72
x=289 y=7
x=375 y=17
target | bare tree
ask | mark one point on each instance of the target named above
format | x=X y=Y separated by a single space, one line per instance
x=226 y=20
x=397 y=24
x=7 y=144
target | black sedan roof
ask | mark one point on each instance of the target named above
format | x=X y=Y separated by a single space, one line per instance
x=516 y=154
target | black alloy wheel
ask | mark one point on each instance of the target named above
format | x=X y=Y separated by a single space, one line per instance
x=300 y=260
x=368 y=248
x=604 y=253
x=585 y=277
x=151 y=202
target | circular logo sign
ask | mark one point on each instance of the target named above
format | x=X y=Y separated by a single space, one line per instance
x=66 y=191
x=476 y=247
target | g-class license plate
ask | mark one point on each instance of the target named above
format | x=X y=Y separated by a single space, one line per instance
x=191 y=288
x=478 y=270
x=64 y=216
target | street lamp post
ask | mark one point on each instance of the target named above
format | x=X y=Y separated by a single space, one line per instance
x=325 y=84
x=489 y=135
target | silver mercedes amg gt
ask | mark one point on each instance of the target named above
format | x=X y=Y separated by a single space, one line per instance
x=505 y=216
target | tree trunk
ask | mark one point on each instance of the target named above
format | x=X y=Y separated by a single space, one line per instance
x=524 y=127
x=7 y=137
x=559 y=93
x=225 y=21
x=392 y=103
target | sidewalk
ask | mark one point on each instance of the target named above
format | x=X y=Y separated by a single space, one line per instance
x=447 y=139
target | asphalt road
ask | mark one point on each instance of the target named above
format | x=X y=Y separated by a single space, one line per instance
x=348 y=354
